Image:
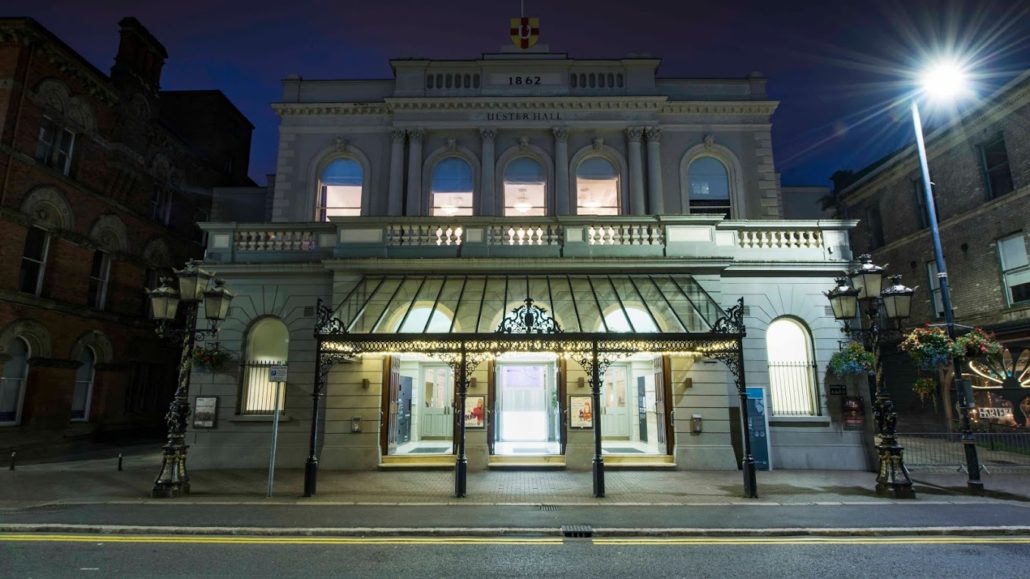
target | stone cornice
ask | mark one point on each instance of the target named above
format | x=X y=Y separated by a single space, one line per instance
x=657 y=104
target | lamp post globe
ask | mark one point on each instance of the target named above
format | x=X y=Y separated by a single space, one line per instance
x=897 y=299
x=867 y=278
x=843 y=300
x=216 y=302
x=164 y=301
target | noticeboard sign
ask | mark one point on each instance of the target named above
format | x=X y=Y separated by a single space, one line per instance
x=277 y=373
x=758 y=428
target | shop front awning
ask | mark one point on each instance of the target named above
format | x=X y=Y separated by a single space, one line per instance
x=445 y=312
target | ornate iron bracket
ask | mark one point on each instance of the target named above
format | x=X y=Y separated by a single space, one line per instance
x=732 y=322
x=529 y=318
x=326 y=322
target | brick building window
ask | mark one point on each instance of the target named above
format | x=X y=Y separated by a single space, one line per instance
x=161 y=206
x=919 y=195
x=1014 y=267
x=99 y=276
x=33 y=261
x=994 y=161
x=56 y=146
x=874 y=226
x=936 y=299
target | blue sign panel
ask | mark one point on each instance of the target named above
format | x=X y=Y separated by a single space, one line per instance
x=758 y=427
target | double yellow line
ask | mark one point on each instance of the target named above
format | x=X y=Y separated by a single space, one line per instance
x=520 y=541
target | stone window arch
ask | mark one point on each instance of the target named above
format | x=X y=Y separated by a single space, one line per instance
x=793 y=387
x=49 y=208
x=451 y=188
x=267 y=343
x=525 y=187
x=711 y=182
x=598 y=179
x=341 y=176
x=110 y=234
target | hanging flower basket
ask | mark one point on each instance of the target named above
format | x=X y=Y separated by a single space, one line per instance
x=978 y=344
x=926 y=389
x=930 y=347
x=214 y=358
x=853 y=360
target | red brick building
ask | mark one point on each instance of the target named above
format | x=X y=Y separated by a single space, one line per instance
x=102 y=180
x=980 y=166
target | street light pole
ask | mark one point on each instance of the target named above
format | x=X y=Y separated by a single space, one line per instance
x=974 y=483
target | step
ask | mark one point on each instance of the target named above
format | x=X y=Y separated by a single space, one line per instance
x=415 y=462
x=635 y=462
x=536 y=462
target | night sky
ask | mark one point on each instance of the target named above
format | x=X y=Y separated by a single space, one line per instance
x=840 y=69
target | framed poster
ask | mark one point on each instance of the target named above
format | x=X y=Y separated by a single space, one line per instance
x=581 y=412
x=205 y=411
x=475 y=412
x=758 y=428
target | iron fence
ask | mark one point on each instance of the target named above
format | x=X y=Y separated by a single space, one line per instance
x=258 y=396
x=793 y=389
x=998 y=451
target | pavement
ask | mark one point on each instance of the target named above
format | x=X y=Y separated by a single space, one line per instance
x=93 y=496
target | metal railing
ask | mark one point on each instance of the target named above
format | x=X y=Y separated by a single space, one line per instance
x=793 y=389
x=998 y=451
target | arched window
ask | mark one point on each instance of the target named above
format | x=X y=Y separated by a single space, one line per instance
x=340 y=189
x=83 y=393
x=709 y=187
x=12 y=382
x=639 y=320
x=597 y=187
x=792 y=382
x=268 y=344
x=451 y=187
x=525 y=188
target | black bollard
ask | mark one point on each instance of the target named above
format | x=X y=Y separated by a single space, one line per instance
x=13 y=454
x=119 y=462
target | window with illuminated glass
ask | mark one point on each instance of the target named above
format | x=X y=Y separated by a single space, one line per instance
x=793 y=390
x=268 y=344
x=525 y=188
x=708 y=187
x=451 y=187
x=340 y=189
x=597 y=187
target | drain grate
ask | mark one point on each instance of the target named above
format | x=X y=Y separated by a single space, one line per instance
x=548 y=507
x=577 y=531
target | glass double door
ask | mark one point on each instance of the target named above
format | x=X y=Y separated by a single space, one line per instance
x=526 y=408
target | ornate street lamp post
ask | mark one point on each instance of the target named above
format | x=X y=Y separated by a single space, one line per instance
x=865 y=298
x=165 y=302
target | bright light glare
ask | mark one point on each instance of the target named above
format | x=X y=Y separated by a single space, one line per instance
x=945 y=80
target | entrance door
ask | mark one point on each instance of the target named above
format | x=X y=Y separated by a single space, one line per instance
x=527 y=419
x=404 y=411
x=642 y=407
x=615 y=417
x=438 y=389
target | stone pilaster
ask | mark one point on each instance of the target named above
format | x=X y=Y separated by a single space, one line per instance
x=655 y=191
x=636 y=171
x=561 y=171
x=768 y=182
x=395 y=201
x=414 y=201
x=486 y=184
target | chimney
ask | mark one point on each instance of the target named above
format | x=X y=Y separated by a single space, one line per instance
x=140 y=58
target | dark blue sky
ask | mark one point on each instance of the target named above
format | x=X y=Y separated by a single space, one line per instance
x=839 y=68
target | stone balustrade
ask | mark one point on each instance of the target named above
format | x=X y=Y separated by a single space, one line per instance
x=672 y=236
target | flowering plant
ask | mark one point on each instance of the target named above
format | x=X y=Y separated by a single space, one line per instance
x=925 y=389
x=853 y=360
x=930 y=347
x=979 y=343
x=212 y=358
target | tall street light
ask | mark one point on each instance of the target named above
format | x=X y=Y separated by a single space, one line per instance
x=165 y=302
x=946 y=81
x=861 y=294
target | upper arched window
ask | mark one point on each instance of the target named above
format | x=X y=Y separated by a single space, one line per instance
x=268 y=344
x=340 y=189
x=709 y=186
x=525 y=188
x=83 y=392
x=597 y=187
x=451 y=187
x=792 y=383
x=12 y=381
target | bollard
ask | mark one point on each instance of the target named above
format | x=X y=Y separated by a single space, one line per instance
x=13 y=454
x=119 y=462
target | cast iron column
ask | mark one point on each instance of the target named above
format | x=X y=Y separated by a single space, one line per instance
x=311 y=465
x=461 y=464
x=748 y=465
x=975 y=485
x=173 y=480
x=595 y=386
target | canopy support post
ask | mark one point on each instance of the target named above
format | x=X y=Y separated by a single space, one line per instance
x=461 y=464
x=595 y=387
